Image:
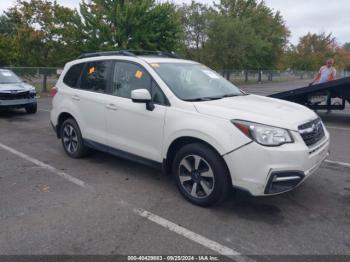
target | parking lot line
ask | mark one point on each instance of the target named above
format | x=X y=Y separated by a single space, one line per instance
x=210 y=244
x=338 y=163
x=168 y=225
x=338 y=128
x=42 y=165
x=199 y=239
x=44 y=110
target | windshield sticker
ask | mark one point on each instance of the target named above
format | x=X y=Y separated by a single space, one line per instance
x=211 y=74
x=155 y=65
x=138 y=74
x=5 y=73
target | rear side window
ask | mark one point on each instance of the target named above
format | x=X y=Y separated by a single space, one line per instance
x=95 y=76
x=72 y=76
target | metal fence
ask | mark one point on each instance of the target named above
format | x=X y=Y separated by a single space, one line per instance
x=272 y=75
x=44 y=78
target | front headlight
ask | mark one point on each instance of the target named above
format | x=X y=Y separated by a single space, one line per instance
x=263 y=134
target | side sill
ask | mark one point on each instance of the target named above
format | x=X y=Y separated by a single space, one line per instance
x=123 y=154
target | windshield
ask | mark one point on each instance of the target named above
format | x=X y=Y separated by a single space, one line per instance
x=8 y=77
x=195 y=82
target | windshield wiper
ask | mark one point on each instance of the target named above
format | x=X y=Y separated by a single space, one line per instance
x=201 y=99
x=229 y=95
x=209 y=98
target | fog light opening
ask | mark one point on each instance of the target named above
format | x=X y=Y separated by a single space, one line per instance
x=283 y=181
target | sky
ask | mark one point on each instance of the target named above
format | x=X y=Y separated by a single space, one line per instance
x=301 y=16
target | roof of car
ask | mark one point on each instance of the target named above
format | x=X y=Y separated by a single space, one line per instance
x=147 y=56
x=147 y=59
x=152 y=60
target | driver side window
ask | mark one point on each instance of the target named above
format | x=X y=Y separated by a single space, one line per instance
x=129 y=76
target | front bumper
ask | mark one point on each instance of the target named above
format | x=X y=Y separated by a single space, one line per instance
x=17 y=103
x=272 y=170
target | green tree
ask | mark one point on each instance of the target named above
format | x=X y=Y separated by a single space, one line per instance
x=47 y=34
x=7 y=32
x=126 y=24
x=6 y=50
x=7 y=26
x=246 y=34
x=312 y=51
x=195 y=20
x=346 y=46
x=232 y=44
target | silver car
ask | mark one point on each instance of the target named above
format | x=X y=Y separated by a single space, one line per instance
x=14 y=93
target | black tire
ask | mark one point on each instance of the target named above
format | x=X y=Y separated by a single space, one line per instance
x=32 y=109
x=72 y=141
x=218 y=184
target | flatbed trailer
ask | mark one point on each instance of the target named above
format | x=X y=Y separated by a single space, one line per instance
x=331 y=95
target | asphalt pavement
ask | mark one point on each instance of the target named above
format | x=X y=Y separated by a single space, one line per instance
x=51 y=204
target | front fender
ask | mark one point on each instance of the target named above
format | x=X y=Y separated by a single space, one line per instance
x=219 y=133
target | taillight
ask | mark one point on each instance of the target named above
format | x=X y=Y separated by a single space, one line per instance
x=53 y=91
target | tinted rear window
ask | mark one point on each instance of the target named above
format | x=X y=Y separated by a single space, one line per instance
x=72 y=76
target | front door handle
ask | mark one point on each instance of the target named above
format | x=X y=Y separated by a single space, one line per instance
x=75 y=97
x=112 y=107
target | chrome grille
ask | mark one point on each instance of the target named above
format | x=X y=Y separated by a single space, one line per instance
x=312 y=131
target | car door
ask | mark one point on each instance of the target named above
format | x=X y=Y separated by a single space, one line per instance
x=130 y=126
x=90 y=98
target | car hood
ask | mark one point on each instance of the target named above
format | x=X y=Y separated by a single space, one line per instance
x=259 y=109
x=19 y=87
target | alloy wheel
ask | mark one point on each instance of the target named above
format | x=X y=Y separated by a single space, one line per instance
x=70 y=139
x=196 y=176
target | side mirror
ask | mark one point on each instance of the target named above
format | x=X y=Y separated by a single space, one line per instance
x=142 y=96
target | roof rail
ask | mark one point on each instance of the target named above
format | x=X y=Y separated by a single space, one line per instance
x=133 y=53
x=107 y=53
x=154 y=53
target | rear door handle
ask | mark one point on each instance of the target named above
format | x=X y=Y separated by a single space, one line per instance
x=75 y=97
x=112 y=107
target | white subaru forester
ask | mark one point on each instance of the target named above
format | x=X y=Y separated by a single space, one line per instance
x=186 y=119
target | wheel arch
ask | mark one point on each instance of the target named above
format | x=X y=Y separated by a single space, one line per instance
x=63 y=116
x=180 y=142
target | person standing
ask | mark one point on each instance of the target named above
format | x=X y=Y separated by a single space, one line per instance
x=326 y=73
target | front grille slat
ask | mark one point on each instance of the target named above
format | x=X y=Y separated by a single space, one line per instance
x=312 y=132
x=15 y=96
